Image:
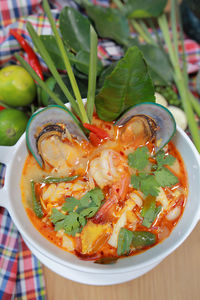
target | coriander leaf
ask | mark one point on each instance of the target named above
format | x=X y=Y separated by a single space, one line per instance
x=56 y=215
x=71 y=221
x=70 y=204
x=139 y=159
x=73 y=231
x=149 y=186
x=89 y=212
x=165 y=177
x=135 y=181
x=163 y=159
x=96 y=195
x=124 y=241
x=82 y=220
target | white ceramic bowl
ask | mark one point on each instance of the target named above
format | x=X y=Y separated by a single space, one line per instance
x=88 y=272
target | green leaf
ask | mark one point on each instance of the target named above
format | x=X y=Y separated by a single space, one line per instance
x=149 y=211
x=109 y=23
x=163 y=159
x=128 y=84
x=82 y=61
x=89 y=212
x=56 y=216
x=155 y=58
x=149 y=186
x=165 y=177
x=139 y=158
x=135 y=181
x=50 y=44
x=92 y=197
x=70 y=204
x=124 y=241
x=145 y=8
x=75 y=29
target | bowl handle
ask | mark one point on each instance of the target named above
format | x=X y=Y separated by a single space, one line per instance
x=6 y=153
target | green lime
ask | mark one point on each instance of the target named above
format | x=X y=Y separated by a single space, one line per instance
x=17 y=88
x=12 y=125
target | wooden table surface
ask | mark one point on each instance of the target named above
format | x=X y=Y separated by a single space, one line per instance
x=177 y=277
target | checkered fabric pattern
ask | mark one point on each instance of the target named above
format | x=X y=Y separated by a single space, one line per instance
x=20 y=272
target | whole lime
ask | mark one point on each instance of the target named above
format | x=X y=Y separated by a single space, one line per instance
x=12 y=125
x=17 y=88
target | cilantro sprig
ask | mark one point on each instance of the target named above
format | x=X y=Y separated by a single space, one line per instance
x=78 y=212
x=159 y=176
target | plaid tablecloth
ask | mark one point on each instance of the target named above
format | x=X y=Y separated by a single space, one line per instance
x=21 y=274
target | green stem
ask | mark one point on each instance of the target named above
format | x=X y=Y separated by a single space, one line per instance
x=146 y=31
x=92 y=73
x=139 y=30
x=66 y=61
x=180 y=82
x=195 y=103
x=49 y=62
x=41 y=83
x=118 y=4
x=174 y=29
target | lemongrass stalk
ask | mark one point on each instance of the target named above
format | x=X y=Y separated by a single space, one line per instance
x=146 y=31
x=118 y=4
x=66 y=61
x=174 y=28
x=159 y=41
x=40 y=82
x=141 y=32
x=92 y=73
x=180 y=83
x=195 y=104
x=49 y=62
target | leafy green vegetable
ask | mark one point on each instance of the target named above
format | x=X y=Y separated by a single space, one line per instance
x=37 y=208
x=77 y=210
x=137 y=239
x=149 y=211
x=149 y=185
x=165 y=177
x=128 y=84
x=145 y=8
x=124 y=241
x=50 y=44
x=139 y=159
x=155 y=58
x=82 y=60
x=109 y=23
x=75 y=29
x=163 y=159
x=158 y=176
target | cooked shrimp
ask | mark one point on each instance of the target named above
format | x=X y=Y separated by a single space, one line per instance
x=108 y=168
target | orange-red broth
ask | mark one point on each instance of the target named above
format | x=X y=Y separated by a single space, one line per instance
x=117 y=196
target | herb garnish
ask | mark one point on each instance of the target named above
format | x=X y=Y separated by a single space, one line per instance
x=78 y=211
x=159 y=176
x=137 y=239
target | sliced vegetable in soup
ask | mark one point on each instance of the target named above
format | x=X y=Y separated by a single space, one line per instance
x=114 y=194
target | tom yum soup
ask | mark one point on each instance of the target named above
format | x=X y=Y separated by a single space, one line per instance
x=115 y=190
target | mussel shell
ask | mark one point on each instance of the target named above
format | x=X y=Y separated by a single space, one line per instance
x=164 y=120
x=48 y=120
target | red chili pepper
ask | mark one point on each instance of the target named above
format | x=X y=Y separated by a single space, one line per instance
x=2 y=107
x=32 y=57
x=94 y=139
x=101 y=133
